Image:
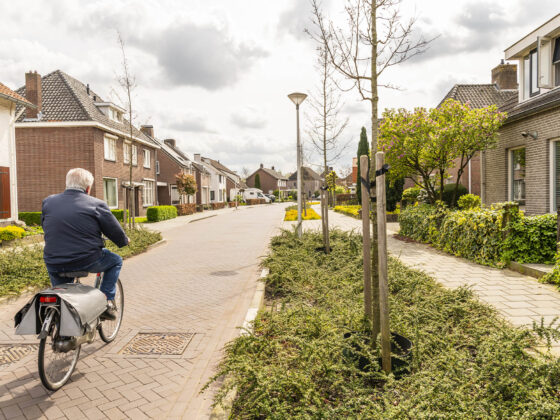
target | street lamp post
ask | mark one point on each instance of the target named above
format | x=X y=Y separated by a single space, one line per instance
x=297 y=98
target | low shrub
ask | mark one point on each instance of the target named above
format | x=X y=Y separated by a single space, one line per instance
x=469 y=201
x=11 y=232
x=467 y=362
x=353 y=211
x=292 y=215
x=185 y=209
x=410 y=196
x=449 y=191
x=159 y=213
x=415 y=222
x=140 y=240
x=30 y=218
x=120 y=214
x=531 y=239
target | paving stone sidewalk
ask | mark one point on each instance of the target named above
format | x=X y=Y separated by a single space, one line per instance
x=201 y=281
x=520 y=299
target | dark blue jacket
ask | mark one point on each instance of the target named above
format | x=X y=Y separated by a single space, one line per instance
x=73 y=223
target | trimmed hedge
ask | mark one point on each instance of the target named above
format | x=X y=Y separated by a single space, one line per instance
x=120 y=214
x=479 y=235
x=159 y=213
x=30 y=217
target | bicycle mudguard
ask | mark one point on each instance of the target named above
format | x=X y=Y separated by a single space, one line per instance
x=80 y=307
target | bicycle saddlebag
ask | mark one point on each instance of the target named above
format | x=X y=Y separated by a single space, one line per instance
x=80 y=306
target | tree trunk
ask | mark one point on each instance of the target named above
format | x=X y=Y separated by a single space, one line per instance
x=374 y=104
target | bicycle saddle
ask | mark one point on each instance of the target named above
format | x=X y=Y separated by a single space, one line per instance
x=74 y=274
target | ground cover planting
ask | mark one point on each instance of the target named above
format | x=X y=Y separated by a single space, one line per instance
x=467 y=362
x=23 y=268
x=306 y=214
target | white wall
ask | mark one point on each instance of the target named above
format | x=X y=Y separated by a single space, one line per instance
x=8 y=149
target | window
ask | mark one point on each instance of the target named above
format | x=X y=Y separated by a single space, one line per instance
x=148 y=195
x=134 y=155
x=110 y=192
x=175 y=198
x=556 y=62
x=110 y=148
x=126 y=152
x=147 y=163
x=517 y=175
x=530 y=75
x=211 y=195
x=157 y=167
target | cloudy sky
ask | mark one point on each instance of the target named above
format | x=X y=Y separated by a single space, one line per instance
x=214 y=74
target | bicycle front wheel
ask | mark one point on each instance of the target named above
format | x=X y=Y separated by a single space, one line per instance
x=108 y=329
x=55 y=367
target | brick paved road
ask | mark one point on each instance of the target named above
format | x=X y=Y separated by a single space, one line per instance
x=201 y=281
x=520 y=299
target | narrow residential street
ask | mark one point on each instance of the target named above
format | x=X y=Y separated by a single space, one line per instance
x=196 y=288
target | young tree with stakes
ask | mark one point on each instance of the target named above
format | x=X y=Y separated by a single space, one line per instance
x=326 y=129
x=375 y=39
x=128 y=83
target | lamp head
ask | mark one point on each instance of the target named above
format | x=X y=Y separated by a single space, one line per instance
x=297 y=98
x=533 y=134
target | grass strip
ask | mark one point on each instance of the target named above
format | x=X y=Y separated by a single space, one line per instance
x=23 y=267
x=467 y=362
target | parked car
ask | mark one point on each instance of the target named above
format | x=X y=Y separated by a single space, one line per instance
x=263 y=197
x=272 y=197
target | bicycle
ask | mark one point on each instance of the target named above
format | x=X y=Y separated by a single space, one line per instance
x=59 y=355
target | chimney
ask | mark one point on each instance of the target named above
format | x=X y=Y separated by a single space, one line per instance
x=170 y=142
x=272 y=168
x=505 y=76
x=197 y=157
x=262 y=166
x=33 y=93
x=147 y=130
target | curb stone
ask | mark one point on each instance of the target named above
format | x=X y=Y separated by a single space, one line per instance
x=223 y=410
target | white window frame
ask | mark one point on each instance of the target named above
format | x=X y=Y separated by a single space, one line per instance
x=510 y=173
x=110 y=147
x=552 y=174
x=148 y=161
x=116 y=206
x=151 y=182
x=134 y=151
x=157 y=167
x=126 y=156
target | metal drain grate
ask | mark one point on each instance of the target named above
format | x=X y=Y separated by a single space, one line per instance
x=158 y=343
x=11 y=353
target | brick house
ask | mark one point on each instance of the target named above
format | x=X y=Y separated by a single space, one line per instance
x=311 y=181
x=500 y=92
x=74 y=127
x=232 y=180
x=270 y=180
x=203 y=181
x=525 y=167
x=170 y=160
x=9 y=100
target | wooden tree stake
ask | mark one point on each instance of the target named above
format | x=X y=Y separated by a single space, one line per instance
x=364 y=176
x=382 y=249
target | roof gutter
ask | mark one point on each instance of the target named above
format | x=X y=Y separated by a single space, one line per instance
x=18 y=101
x=531 y=111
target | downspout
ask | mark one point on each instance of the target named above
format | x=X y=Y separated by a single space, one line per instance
x=13 y=163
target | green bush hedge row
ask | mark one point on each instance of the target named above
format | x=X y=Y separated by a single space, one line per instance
x=477 y=234
x=30 y=217
x=34 y=217
x=159 y=213
x=120 y=214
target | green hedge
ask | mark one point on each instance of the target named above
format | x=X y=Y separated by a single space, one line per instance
x=159 y=213
x=477 y=234
x=30 y=217
x=120 y=214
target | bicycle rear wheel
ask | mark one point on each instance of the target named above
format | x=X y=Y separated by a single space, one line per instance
x=108 y=329
x=56 y=367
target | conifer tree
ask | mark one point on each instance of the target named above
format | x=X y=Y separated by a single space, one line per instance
x=363 y=149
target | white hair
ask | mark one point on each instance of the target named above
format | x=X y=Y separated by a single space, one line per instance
x=79 y=178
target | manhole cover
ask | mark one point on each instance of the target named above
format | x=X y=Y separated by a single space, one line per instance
x=158 y=343
x=11 y=353
x=223 y=273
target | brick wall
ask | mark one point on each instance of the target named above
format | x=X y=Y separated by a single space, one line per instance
x=268 y=182
x=537 y=174
x=168 y=168
x=46 y=154
x=475 y=174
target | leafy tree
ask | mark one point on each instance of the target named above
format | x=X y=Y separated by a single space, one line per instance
x=363 y=149
x=422 y=143
x=186 y=183
x=257 y=181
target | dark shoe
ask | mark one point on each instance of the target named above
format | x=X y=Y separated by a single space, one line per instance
x=110 y=313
